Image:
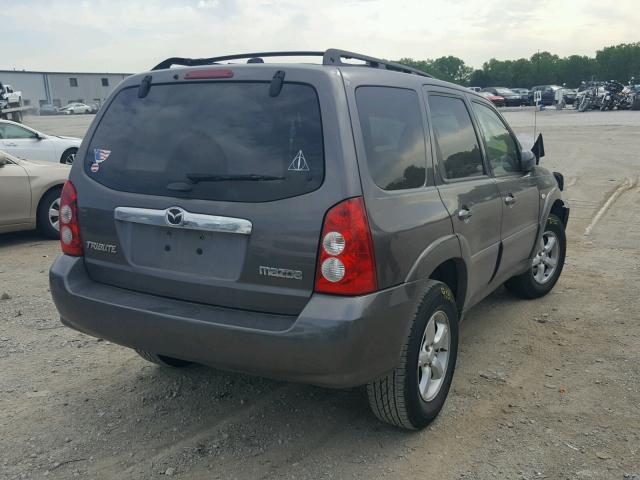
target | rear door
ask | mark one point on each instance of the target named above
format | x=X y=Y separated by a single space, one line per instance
x=15 y=193
x=215 y=191
x=519 y=190
x=467 y=190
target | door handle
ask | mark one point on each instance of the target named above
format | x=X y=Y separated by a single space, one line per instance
x=464 y=214
x=510 y=199
x=7 y=144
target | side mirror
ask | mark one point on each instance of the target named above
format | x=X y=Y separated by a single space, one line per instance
x=527 y=161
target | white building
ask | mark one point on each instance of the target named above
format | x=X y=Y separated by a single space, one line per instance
x=61 y=88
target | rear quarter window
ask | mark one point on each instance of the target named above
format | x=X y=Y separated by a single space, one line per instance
x=393 y=134
x=226 y=141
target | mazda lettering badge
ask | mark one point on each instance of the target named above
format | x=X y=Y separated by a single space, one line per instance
x=174 y=216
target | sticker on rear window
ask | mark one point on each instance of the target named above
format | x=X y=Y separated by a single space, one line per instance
x=299 y=163
x=99 y=156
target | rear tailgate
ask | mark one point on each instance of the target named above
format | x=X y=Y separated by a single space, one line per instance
x=214 y=191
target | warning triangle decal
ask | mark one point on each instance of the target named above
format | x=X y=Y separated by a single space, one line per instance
x=299 y=163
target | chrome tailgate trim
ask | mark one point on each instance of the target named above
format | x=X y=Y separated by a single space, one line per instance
x=186 y=220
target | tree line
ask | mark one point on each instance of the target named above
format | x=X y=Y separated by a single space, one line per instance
x=619 y=62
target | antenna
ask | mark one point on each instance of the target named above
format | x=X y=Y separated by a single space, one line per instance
x=537 y=103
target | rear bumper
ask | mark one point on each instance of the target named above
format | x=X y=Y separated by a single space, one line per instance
x=334 y=341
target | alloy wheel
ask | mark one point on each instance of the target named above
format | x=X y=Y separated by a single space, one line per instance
x=54 y=214
x=433 y=358
x=545 y=261
x=70 y=158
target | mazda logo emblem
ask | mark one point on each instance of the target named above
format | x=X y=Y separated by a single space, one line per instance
x=174 y=216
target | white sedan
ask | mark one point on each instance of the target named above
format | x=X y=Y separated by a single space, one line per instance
x=74 y=108
x=24 y=142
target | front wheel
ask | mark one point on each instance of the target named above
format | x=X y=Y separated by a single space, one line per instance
x=546 y=264
x=69 y=156
x=414 y=392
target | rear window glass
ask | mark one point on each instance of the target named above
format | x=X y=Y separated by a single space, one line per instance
x=226 y=141
x=393 y=135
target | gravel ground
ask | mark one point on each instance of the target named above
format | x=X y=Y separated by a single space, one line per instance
x=543 y=389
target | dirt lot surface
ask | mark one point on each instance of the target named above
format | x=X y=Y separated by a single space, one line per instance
x=543 y=389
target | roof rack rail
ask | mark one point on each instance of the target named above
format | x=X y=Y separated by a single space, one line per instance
x=332 y=56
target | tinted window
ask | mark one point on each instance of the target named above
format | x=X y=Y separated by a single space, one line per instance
x=216 y=141
x=8 y=130
x=393 y=135
x=456 y=142
x=501 y=148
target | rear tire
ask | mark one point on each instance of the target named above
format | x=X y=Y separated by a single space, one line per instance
x=546 y=266
x=163 y=360
x=47 y=220
x=412 y=395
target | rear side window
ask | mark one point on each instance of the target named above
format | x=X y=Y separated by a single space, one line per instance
x=456 y=142
x=393 y=135
x=226 y=141
x=502 y=151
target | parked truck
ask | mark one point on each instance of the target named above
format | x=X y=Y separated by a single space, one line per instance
x=11 y=96
x=11 y=107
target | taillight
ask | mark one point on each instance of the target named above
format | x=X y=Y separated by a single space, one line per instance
x=69 y=226
x=346 y=265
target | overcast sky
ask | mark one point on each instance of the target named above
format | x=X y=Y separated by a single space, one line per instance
x=133 y=35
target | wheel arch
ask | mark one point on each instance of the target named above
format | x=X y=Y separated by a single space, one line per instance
x=553 y=203
x=44 y=194
x=560 y=210
x=66 y=151
x=443 y=261
x=453 y=273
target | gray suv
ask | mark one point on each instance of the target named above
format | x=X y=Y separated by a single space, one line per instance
x=327 y=224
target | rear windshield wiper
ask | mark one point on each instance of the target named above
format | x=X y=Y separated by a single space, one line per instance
x=198 y=177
